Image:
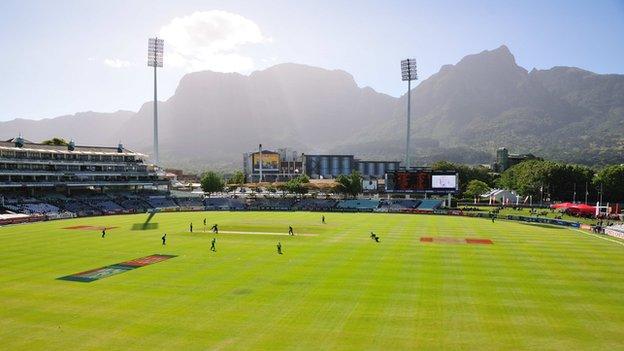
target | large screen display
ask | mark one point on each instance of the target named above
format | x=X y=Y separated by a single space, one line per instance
x=443 y=181
x=421 y=181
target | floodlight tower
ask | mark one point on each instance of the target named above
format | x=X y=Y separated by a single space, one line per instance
x=155 y=48
x=408 y=73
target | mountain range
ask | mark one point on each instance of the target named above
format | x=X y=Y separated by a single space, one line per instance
x=462 y=114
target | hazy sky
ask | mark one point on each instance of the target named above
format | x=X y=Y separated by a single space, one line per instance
x=61 y=57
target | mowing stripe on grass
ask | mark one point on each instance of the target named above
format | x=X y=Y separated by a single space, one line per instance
x=451 y=240
x=89 y=227
x=603 y=238
x=263 y=233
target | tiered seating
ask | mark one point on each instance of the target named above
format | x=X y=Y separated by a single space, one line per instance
x=12 y=208
x=32 y=208
x=237 y=204
x=399 y=204
x=53 y=197
x=189 y=201
x=217 y=203
x=41 y=208
x=161 y=201
x=272 y=204
x=358 y=205
x=87 y=202
x=429 y=205
x=314 y=204
x=133 y=203
x=77 y=207
x=10 y=200
x=99 y=202
x=106 y=205
x=27 y=200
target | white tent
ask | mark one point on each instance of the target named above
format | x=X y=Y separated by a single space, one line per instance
x=502 y=196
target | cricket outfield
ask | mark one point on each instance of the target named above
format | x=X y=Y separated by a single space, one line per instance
x=430 y=283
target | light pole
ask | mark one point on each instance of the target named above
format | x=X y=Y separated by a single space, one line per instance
x=260 y=158
x=408 y=73
x=600 y=194
x=155 y=48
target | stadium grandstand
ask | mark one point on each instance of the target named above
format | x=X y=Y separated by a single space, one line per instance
x=309 y=204
x=429 y=205
x=358 y=205
x=35 y=166
x=90 y=202
x=220 y=203
x=272 y=204
x=399 y=205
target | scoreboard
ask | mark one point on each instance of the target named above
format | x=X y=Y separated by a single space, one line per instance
x=422 y=181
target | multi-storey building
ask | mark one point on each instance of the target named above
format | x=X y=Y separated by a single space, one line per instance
x=272 y=166
x=33 y=165
x=286 y=164
x=505 y=160
x=331 y=166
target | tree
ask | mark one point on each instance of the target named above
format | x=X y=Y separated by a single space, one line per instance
x=545 y=178
x=237 y=178
x=212 y=182
x=349 y=184
x=527 y=178
x=565 y=179
x=55 y=141
x=296 y=185
x=612 y=180
x=476 y=188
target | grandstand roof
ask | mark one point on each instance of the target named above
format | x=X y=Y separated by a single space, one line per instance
x=62 y=149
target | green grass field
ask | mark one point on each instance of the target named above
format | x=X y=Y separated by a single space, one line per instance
x=535 y=288
x=526 y=212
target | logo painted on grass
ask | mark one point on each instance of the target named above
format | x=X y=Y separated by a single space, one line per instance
x=147 y=260
x=103 y=272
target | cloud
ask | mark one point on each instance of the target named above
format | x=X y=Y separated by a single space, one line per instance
x=210 y=40
x=116 y=63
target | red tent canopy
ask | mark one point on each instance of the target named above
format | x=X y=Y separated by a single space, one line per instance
x=563 y=205
x=582 y=209
x=575 y=209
